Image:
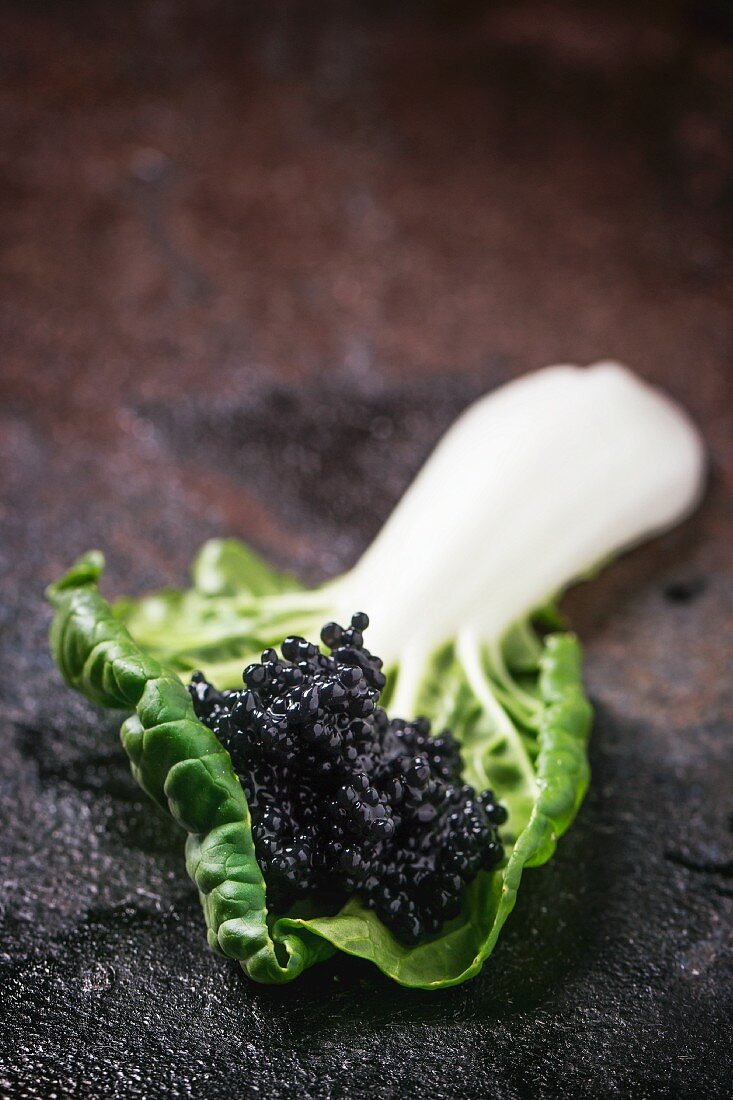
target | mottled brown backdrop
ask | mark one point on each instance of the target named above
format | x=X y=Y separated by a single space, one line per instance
x=254 y=259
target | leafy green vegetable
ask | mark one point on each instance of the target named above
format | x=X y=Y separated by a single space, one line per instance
x=178 y=762
x=537 y=761
x=530 y=489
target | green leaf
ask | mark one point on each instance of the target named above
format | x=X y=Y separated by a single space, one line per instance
x=182 y=766
x=518 y=709
x=226 y=567
x=459 y=951
x=226 y=619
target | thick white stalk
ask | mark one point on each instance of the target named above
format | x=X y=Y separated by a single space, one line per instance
x=532 y=486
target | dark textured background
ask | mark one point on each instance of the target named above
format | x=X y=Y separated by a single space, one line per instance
x=254 y=260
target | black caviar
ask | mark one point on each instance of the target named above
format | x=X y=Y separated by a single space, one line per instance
x=343 y=799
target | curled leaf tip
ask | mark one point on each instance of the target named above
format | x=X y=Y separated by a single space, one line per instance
x=87 y=569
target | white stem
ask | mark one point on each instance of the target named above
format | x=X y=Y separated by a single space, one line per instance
x=497 y=665
x=409 y=674
x=468 y=652
x=531 y=487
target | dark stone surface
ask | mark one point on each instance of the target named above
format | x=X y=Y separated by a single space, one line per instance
x=255 y=258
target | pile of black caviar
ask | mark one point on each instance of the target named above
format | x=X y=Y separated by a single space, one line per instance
x=343 y=799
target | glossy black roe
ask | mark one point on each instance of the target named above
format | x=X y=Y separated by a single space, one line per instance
x=343 y=799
